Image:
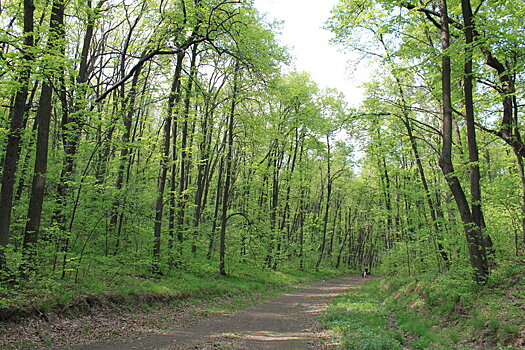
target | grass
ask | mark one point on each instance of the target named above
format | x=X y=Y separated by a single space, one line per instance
x=432 y=312
x=186 y=286
x=361 y=320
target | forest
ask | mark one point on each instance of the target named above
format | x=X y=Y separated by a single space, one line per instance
x=139 y=139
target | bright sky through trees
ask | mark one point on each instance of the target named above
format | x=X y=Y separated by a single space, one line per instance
x=303 y=33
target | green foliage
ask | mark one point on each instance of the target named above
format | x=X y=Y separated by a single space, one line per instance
x=390 y=208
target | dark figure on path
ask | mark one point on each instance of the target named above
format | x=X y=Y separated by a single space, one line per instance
x=365 y=273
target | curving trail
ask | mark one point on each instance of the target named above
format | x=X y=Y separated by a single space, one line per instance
x=285 y=322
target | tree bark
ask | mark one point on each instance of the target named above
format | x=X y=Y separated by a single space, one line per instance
x=477 y=253
x=475 y=190
x=56 y=47
x=16 y=118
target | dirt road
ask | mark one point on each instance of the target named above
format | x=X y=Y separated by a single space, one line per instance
x=285 y=322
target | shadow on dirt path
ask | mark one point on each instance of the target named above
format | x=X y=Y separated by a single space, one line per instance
x=285 y=322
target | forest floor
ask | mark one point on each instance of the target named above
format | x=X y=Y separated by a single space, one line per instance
x=289 y=321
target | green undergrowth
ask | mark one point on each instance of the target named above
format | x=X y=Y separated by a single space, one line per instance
x=433 y=312
x=191 y=284
x=362 y=319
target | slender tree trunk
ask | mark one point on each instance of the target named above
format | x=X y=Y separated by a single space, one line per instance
x=218 y=198
x=385 y=186
x=71 y=126
x=202 y=166
x=285 y=217
x=327 y=206
x=347 y=229
x=229 y=166
x=184 y=167
x=336 y=220
x=274 y=200
x=406 y=121
x=128 y=111
x=475 y=190
x=173 y=187
x=433 y=210
x=205 y=169
x=159 y=205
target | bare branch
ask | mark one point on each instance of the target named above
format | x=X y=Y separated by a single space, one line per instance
x=143 y=60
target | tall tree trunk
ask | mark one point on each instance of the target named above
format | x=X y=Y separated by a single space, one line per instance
x=55 y=47
x=184 y=167
x=302 y=205
x=16 y=118
x=218 y=198
x=350 y=217
x=229 y=165
x=327 y=206
x=477 y=253
x=285 y=217
x=434 y=212
x=273 y=161
x=128 y=110
x=475 y=190
x=385 y=186
x=209 y=159
x=159 y=204
x=203 y=170
x=72 y=122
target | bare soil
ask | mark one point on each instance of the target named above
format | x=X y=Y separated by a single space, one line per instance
x=289 y=321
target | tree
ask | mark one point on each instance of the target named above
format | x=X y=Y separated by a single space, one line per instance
x=56 y=47
x=391 y=32
x=16 y=117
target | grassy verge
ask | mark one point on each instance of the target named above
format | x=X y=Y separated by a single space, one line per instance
x=190 y=285
x=362 y=319
x=438 y=312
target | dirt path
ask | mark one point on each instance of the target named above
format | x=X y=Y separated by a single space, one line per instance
x=286 y=322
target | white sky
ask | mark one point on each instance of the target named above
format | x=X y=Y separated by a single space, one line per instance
x=302 y=32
